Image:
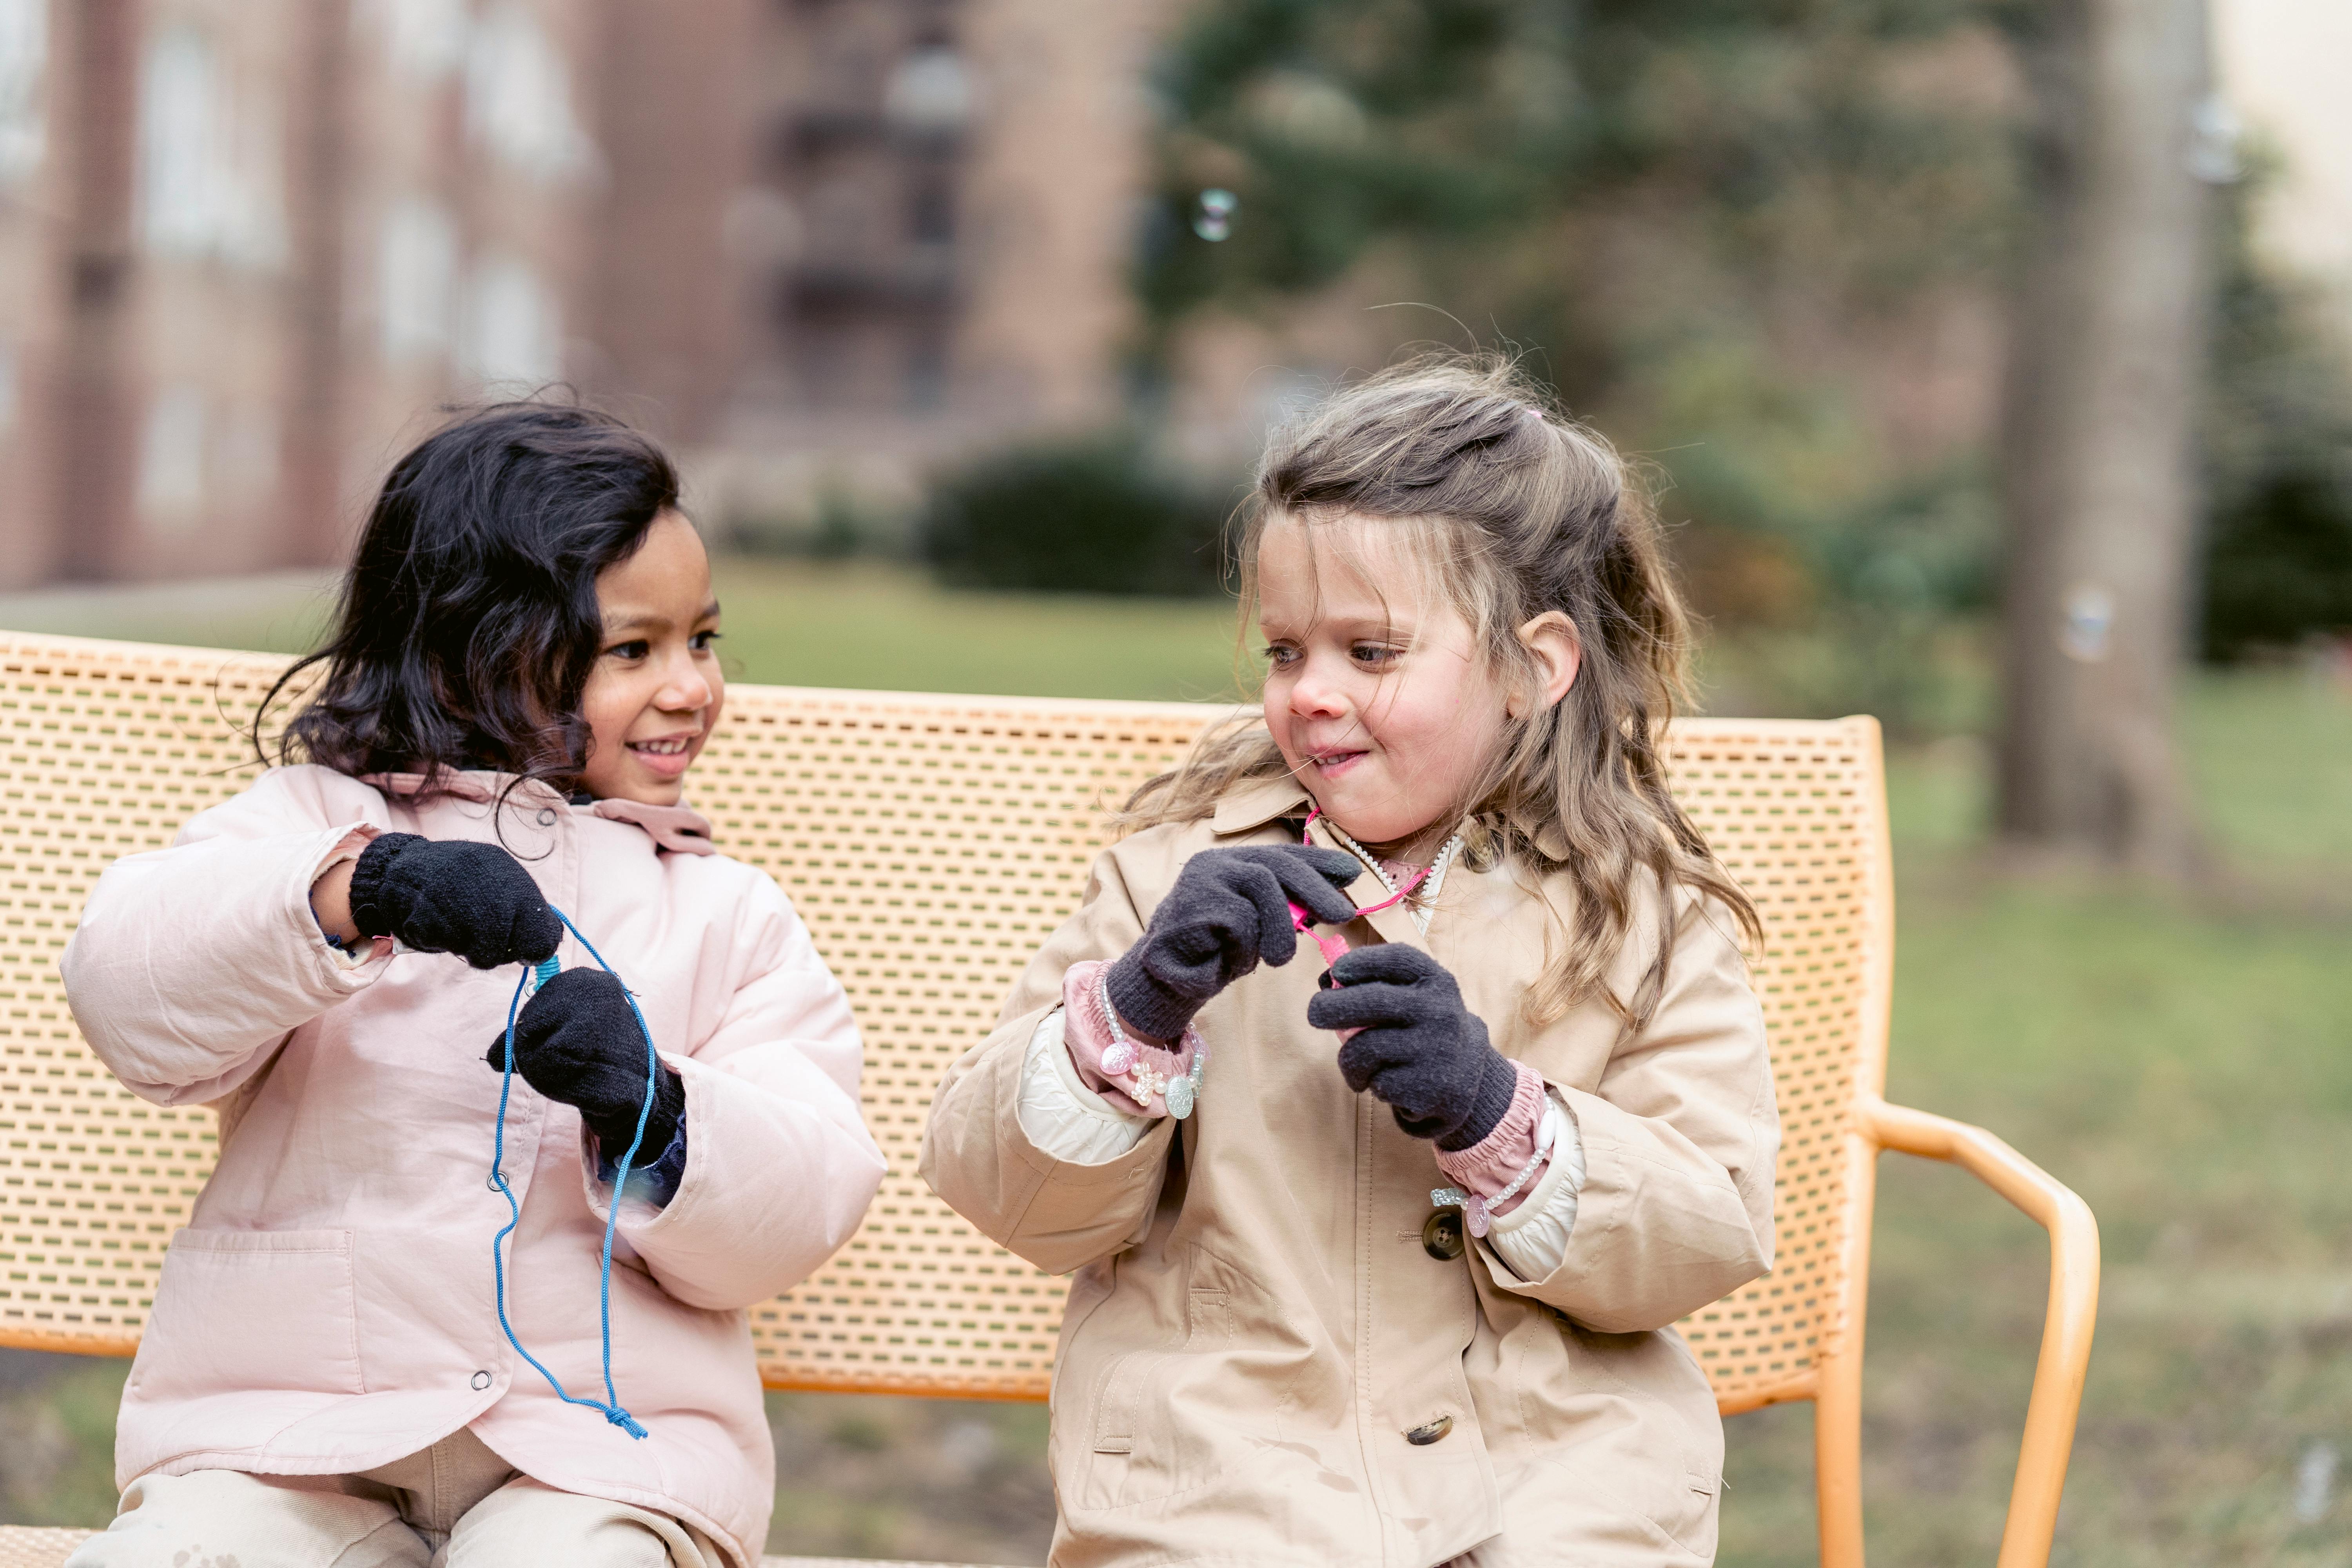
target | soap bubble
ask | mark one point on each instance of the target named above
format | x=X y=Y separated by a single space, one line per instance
x=1214 y=218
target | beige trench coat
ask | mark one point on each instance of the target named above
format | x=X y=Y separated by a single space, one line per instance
x=1255 y=1322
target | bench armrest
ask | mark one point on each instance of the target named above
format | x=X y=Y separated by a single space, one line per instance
x=2065 y=1357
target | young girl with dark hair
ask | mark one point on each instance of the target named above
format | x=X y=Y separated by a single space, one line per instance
x=521 y=675
x=1376 y=1263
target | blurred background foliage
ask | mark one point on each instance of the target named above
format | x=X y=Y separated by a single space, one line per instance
x=1717 y=230
x=2278 y=559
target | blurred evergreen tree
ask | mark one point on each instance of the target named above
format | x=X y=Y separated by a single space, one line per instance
x=2278 y=561
x=1699 y=216
x=1416 y=127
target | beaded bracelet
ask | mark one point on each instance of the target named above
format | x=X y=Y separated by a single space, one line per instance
x=1123 y=1058
x=1479 y=1211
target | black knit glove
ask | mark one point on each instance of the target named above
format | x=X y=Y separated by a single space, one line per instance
x=1229 y=909
x=453 y=896
x=1418 y=1048
x=578 y=1041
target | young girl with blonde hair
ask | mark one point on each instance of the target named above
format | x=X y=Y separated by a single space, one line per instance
x=1306 y=1329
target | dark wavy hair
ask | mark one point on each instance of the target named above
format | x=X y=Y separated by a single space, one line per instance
x=468 y=622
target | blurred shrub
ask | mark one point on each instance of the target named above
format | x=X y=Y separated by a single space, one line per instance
x=2279 y=569
x=1091 y=516
x=2278 y=565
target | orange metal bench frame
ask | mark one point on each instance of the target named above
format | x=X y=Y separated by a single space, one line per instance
x=932 y=842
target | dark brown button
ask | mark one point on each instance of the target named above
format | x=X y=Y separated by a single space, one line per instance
x=1429 y=1432
x=1440 y=1237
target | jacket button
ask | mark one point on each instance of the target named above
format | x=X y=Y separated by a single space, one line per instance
x=1440 y=1237
x=1429 y=1432
x=482 y=1381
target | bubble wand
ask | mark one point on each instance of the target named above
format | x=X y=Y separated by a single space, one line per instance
x=1335 y=946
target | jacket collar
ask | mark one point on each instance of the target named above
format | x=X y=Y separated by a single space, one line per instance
x=678 y=829
x=1254 y=805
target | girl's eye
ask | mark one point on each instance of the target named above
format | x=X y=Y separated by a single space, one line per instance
x=636 y=647
x=1279 y=654
x=701 y=641
x=1374 y=653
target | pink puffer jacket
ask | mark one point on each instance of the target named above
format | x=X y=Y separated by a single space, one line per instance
x=330 y=1307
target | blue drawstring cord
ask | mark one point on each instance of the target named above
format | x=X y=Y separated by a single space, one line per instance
x=609 y=1405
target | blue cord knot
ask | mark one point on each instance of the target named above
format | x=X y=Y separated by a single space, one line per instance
x=535 y=975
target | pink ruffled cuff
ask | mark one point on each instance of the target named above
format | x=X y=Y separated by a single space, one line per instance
x=1088 y=1034
x=1487 y=1166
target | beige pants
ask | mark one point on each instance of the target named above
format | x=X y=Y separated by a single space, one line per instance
x=456 y=1505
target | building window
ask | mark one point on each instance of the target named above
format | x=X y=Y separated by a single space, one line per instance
x=931 y=212
x=209 y=162
x=514 y=329
x=171 y=461
x=416 y=283
x=930 y=93
x=23 y=62
x=519 y=97
x=424 y=39
x=246 y=455
x=927 y=373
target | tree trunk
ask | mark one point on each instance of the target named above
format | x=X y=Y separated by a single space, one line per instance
x=2100 y=482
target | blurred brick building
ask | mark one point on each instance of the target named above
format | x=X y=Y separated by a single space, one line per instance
x=248 y=247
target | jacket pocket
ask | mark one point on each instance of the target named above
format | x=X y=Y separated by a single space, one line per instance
x=245 y=1311
x=1138 y=1455
x=1144 y=1446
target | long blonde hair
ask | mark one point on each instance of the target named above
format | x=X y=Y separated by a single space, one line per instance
x=1512 y=510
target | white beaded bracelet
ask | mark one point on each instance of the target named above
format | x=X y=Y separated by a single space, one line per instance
x=1479 y=1211
x=1123 y=1058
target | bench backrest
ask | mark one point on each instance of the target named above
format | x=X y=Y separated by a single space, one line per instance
x=930 y=843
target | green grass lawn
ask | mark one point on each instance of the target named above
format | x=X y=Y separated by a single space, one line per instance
x=786 y=622
x=2179 y=1059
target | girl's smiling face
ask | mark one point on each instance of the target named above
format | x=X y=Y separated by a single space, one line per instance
x=655 y=691
x=1381 y=701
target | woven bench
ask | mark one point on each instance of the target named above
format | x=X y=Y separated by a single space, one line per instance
x=931 y=843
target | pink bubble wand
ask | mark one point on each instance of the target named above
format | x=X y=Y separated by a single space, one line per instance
x=1335 y=945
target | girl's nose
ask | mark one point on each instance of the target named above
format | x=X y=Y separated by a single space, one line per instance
x=685 y=691
x=1314 y=697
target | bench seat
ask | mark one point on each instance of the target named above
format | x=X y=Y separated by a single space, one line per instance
x=931 y=843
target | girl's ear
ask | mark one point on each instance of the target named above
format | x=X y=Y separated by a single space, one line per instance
x=1558 y=653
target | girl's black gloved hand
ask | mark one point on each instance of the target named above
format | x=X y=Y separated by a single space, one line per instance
x=578 y=1041
x=1417 y=1048
x=1229 y=910
x=453 y=896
